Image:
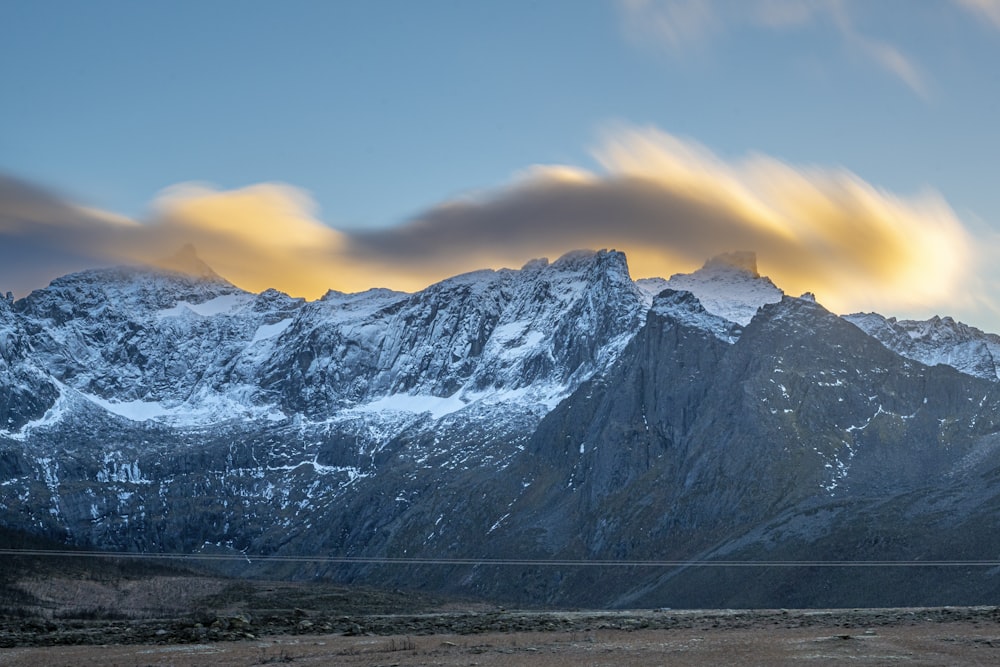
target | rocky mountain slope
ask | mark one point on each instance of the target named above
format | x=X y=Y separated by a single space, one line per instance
x=939 y=340
x=553 y=414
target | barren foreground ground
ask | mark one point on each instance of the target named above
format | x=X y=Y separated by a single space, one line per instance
x=58 y=612
x=949 y=636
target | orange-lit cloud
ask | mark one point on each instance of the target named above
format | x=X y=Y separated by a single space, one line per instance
x=260 y=236
x=817 y=229
x=668 y=203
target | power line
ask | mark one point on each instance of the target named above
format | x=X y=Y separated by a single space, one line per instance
x=496 y=562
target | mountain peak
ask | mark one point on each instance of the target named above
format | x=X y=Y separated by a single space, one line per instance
x=728 y=285
x=938 y=340
x=743 y=260
x=186 y=261
x=592 y=262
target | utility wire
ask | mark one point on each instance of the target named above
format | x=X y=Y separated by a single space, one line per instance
x=498 y=562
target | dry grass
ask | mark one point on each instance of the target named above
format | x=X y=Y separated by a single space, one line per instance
x=151 y=597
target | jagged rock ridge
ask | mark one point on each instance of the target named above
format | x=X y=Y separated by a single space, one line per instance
x=559 y=411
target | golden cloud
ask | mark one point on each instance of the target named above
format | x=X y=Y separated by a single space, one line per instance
x=817 y=229
x=260 y=236
x=667 y=202
x=670 y=203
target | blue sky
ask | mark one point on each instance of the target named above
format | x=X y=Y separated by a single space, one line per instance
x=375 y=113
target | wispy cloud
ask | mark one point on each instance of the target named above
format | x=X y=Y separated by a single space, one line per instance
x=883 y=54
x=988 y=10
x=781 y=14
x=677 y=24
x=680 y=25
x=893 y=61
x=668 y=202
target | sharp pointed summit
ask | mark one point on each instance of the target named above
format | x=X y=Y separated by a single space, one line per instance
x=187 y=261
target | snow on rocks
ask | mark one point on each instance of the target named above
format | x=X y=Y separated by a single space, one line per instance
x=939 y=340
x=728 y=285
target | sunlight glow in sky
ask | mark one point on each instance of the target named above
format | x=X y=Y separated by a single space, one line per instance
x=315 y=145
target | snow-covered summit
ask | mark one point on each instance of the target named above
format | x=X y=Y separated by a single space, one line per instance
x=168 y=346
x=939 y=340
x=538 y=331
x=685 y=308
x=188 y=348
x=728 y=285
x=146 y=340
x=125 y=290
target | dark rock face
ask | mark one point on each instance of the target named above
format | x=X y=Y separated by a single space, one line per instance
x=556 y=412
x=25 y=392
x=792 y=444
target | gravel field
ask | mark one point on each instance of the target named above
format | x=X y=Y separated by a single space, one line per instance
x=926 y=636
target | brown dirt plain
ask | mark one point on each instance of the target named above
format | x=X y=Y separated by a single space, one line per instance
x=72 y=612
x=926 y=636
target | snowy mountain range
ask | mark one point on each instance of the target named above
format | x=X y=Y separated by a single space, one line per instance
x=560 y=411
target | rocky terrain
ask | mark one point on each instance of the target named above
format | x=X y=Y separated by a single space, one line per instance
x=915 y=636
x=75 y=610
x=558 y=435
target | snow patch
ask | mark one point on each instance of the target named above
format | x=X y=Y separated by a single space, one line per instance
x=266 y=331
x=498 y=523
x=137 y=411
x=437 y=406
x=201 y=409
x=223 y=304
